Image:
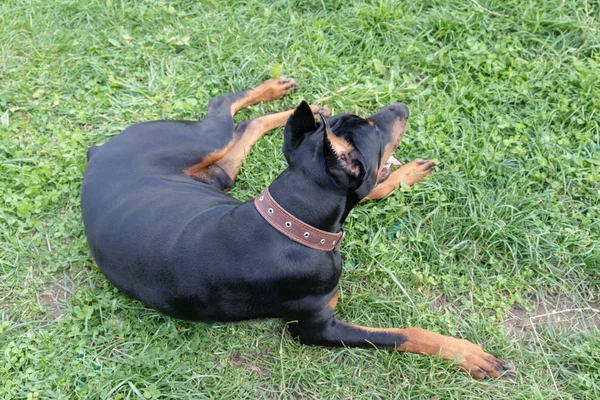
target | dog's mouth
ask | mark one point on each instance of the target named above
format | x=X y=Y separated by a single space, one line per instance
x=386 y=170
x=391 y=123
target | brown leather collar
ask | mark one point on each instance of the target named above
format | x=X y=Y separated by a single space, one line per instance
x=292 y=227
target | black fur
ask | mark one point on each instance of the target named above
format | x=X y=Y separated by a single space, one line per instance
x=189 y=250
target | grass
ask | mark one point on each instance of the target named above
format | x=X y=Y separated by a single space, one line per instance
x=501 y=247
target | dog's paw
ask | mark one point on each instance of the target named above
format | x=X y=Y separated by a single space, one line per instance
x=413 y=172
x=274 y=89
x=318 y=110
x=479 y=364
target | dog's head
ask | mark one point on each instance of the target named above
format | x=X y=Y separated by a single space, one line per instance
x=355 y=152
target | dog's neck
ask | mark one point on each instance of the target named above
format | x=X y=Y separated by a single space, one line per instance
x=322 y=208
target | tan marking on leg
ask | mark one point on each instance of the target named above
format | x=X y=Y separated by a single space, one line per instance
x=198 y=170
x=272 y=89
x=470 y=357
x=334 y=300
x=232 y=161
x=409 y=174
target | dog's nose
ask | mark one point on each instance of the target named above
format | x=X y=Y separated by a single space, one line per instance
x=400 y=109
x=387 y=115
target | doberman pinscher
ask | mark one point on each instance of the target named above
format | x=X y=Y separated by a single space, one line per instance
x=162 y=229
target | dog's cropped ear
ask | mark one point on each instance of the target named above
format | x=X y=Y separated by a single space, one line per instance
x=343 y=161
x=298 y=125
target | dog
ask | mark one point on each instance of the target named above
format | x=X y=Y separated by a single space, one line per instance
x=162 y=229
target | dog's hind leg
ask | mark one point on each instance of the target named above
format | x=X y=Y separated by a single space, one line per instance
x=270 y=90
x=218 y=126
x=249 y=132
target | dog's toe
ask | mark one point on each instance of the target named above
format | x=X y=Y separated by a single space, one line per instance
x=318 y=110
x=292 y=88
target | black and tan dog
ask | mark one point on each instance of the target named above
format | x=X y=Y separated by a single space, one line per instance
x=162 y=229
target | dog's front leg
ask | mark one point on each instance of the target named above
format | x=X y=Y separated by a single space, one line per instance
x=470 y=357
x=409 y=174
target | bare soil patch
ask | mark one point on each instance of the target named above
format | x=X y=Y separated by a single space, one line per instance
x=555 y=312
x=249 y=362
x=55 y=295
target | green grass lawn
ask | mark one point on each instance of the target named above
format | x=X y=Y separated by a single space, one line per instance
x=501 y=246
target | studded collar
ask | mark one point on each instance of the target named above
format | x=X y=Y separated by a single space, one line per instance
x=292 y=227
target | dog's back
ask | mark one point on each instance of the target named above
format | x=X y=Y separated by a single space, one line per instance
x=134 y=191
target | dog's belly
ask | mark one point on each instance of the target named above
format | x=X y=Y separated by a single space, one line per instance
x=186 y=248
x=200 y=255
